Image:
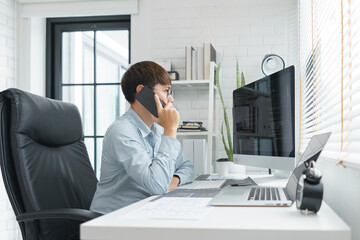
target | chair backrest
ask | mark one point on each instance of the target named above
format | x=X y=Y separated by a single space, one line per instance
x=43 y=158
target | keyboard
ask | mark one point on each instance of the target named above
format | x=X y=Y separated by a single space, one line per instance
x=202 y=177
x=264 y=194
x=204 y=185
x=193 y=193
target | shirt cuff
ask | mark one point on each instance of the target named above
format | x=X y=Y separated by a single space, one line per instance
x=182 y=177
x=175 y=175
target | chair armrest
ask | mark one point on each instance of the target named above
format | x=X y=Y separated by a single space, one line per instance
x=65 y=213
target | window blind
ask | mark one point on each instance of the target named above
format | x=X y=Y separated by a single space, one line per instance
x=329 y=65
x=350 y=149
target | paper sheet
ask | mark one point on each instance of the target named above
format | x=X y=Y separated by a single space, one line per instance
x=203 y=185
x=229 y=176
x=172 y=208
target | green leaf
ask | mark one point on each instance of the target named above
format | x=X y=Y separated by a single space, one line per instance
x=230 y=153
x=238 y=84
x=242 y=79
x=223 y=140
x=227 y=146
x=218 y=86
x=227 y=150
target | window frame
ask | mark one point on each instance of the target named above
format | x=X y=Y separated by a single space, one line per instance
x=54 y=29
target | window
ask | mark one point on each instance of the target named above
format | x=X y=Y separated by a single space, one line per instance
x=329 y=61
x=86 y=58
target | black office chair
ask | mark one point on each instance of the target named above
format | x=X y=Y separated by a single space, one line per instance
x=45 y=165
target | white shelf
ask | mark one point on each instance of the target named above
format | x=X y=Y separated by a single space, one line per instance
x=185 y=82
x=211 y=134
x=190 y=84
x=205 y=133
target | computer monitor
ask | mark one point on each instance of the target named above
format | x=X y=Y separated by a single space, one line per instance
x=264 y=122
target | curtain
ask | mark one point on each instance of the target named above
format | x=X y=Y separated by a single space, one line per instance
x=329 y=71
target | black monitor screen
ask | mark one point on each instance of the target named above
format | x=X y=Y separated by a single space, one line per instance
x=263 y=116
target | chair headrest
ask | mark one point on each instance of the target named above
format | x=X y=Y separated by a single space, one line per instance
x=49 y=122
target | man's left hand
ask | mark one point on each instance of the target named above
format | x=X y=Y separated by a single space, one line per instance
x=174 y=183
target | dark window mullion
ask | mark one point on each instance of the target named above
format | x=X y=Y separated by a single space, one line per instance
x=83 y=87
x=95 y=101
x=54 y=29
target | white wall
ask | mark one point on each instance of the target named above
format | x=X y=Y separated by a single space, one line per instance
x=240 y=28
x=341 y=192
x=7 y=44
x=9 y=229
x=31 y=29
x=162 y=29
x=31 y=54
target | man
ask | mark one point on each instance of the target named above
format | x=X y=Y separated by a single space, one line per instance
x=141 y=155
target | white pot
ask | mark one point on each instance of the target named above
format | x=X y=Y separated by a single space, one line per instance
x=222 y=167
x=236 y=168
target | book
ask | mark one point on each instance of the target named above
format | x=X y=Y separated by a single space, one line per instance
x=185 y=128
x=209 y=56
x=189 y=130
x=194 y=66
x=189 y=51
x=200 y=62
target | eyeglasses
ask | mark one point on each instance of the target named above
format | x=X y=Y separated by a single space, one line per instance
x=169 y=91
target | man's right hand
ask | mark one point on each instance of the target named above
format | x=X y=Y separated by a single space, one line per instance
x=168 y=117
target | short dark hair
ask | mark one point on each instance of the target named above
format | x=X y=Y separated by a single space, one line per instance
x=146 y=73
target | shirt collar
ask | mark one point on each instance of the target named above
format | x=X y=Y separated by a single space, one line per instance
x=156 y=129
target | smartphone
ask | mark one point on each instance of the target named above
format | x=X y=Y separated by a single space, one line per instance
x=146 y=98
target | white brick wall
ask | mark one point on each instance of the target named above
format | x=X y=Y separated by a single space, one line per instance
x=7 y=44
x=9 y=229
x=162 y=29
x=248 y=29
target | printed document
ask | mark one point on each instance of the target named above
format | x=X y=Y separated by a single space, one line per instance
x=172 y=208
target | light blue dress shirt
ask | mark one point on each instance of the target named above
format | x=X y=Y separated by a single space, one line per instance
x=136 y=163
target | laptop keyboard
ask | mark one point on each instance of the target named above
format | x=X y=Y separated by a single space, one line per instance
x=204 y=185
x=195 y=193
x=264 y=194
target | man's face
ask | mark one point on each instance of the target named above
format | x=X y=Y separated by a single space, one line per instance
x=164 y=92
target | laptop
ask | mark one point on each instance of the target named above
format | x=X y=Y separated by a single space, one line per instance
x=272 y=196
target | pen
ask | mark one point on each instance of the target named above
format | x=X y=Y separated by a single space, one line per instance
x=240 y=184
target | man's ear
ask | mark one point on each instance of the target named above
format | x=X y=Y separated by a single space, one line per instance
x=138 y=88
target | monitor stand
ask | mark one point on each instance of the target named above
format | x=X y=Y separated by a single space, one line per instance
x=281 y=173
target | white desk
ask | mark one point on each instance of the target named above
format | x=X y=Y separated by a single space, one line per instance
x=223 y=223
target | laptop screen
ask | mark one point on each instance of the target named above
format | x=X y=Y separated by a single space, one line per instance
x=311 y=153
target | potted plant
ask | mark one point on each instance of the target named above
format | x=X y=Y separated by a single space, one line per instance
x=223 y=163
